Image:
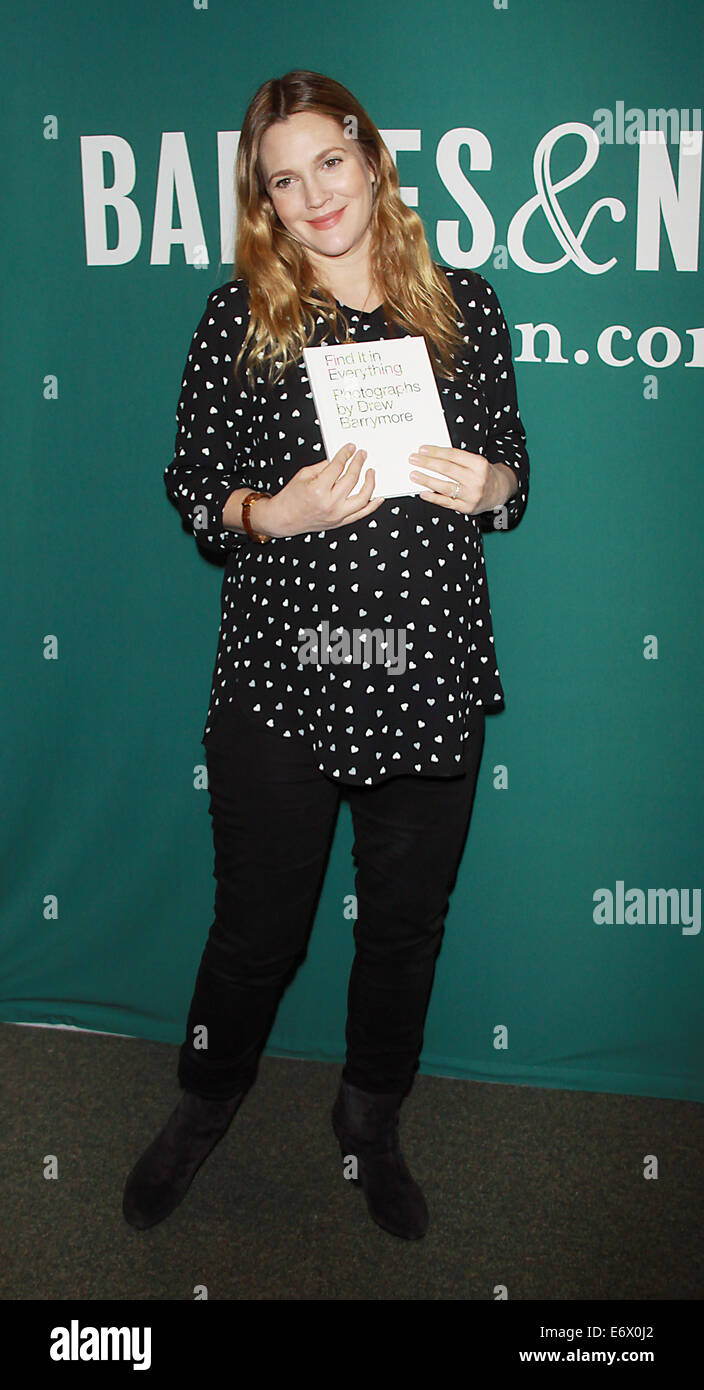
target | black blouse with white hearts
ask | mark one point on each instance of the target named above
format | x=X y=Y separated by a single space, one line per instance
x=412 y=568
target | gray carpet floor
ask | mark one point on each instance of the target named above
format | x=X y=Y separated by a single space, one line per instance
x=539 y=1191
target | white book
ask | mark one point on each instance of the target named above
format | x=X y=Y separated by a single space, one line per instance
x=380 y=396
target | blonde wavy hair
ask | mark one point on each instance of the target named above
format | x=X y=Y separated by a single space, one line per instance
x=283 y=295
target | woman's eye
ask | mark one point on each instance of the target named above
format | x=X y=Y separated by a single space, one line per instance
x=333 y=159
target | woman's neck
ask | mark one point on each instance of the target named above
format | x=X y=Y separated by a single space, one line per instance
x=349 y=294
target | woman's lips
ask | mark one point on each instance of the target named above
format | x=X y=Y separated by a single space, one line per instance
x=330 y=221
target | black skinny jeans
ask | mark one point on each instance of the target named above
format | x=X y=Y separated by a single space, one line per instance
x=274 y=813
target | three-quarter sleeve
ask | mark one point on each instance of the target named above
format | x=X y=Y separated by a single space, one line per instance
x=507 y=438
x=209 y=444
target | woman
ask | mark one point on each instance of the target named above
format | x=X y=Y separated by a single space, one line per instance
x=328 y=251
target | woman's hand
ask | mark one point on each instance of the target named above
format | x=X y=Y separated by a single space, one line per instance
x=317 y=497
x=482 y=485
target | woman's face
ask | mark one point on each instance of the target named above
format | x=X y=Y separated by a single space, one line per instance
x=311 y=170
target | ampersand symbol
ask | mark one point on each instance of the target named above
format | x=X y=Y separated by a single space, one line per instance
x=546 y=199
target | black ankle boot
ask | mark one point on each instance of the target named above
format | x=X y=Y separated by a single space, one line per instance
x=162 y=1176
x=366 y=1125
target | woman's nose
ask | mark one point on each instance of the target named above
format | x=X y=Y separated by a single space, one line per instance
x=315 y=195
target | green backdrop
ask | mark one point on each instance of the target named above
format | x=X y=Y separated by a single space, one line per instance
x=591 y=777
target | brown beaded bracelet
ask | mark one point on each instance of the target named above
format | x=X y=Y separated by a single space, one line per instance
x=248 y=502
